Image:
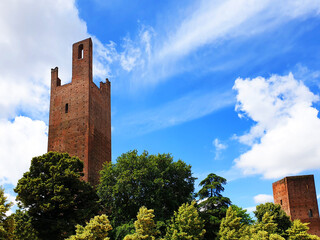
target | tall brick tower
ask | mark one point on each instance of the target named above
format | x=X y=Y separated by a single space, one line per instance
x=80 y=115
x=297 y=197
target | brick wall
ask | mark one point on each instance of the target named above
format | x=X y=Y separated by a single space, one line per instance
x=80 y=121
x=297 y=197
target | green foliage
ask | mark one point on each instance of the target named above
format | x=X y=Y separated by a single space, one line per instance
x=54 y=195
x=213 y=206
x=279 y=216
x=23 y=226
x=242 y=213
x=299 y=231
x=186 y=224
x=6 y=223
x=232 y=227
x=154 y=181
x=267 y=224
x=266 y=228
x=144 y=226
x=97 y=229
x=121 y=231
x=212 y=186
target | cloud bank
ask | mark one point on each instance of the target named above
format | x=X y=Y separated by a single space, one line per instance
x=20 y=141
x=286 y=135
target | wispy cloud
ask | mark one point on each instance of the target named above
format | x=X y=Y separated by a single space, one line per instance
x=184 y=109
x=219 y=147
x=154 y=59
x=213 y=21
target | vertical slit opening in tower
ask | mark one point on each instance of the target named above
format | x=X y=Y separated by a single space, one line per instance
x=80 y=51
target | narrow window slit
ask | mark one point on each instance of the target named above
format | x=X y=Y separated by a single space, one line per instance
x=66 y=108
x=80 y=51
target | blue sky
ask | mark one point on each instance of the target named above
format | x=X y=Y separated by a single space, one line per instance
x=230 y=87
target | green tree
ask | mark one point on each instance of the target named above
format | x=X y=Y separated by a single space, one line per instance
x=186 y=224
x=23 y=227
x=299 y=231
x=154 y=181
x=232 y=226
x=123 y=230
x=6 y=223
x=279 y=216
x=97 y=229
x=265 y=228
x=55 y=196
x=212 y=205
x=242 y=213
x=144 y=226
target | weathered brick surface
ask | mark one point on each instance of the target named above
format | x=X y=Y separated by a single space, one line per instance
x=297 y=197
x=84 y=128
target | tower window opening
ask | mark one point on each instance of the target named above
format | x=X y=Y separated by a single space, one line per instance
x=281 y=202
x=80 y=51
x=310 y=213
x=66 y=109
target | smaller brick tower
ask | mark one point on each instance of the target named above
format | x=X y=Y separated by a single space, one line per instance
x=297 y=197
x=80 y=115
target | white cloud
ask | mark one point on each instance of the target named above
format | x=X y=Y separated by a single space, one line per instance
x=263 y=198
x=35 y=37
x=286 y=136
x=130 y=56
x=212 y=21
x=20 y=140
x=219 y=147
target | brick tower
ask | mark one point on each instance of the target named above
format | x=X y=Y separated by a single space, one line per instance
x=297 y=197
x=80 y=115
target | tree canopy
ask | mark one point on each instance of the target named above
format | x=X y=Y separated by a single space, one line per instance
x=279 y=216
x=212 y=204
x=145 y=227
x=154 y=181
x=186 y=224
x=231 y=226
x=97 y=229
x=54 y=195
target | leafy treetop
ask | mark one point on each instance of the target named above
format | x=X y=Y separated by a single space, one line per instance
x=154 y=181
x=55 y=196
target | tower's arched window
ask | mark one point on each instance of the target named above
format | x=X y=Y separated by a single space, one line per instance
x=80 y=51
x=310 y=213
